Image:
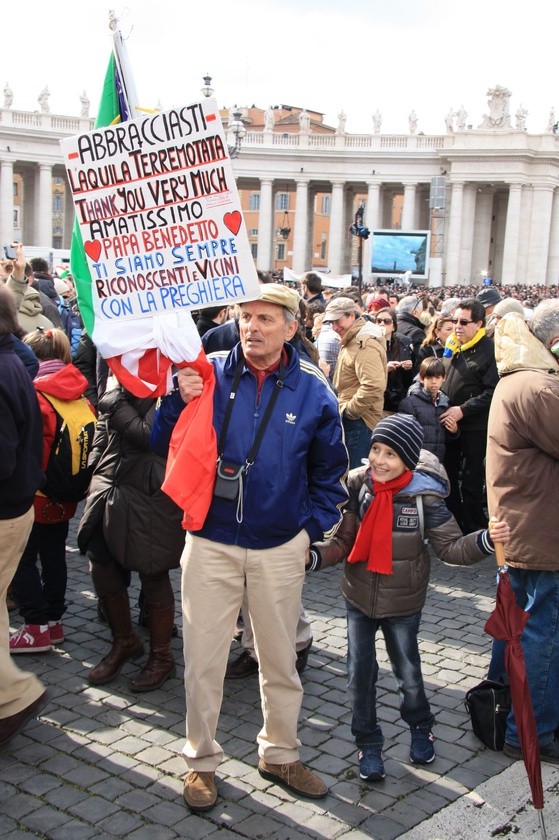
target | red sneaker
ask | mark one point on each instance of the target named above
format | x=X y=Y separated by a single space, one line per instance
x=31 y=638
x=56 y=632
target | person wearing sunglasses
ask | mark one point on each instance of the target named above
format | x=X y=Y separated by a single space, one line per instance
x=469 y=385
x=400 y=365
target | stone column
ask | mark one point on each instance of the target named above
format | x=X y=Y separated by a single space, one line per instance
x=454 y=235
x=349 y=242
x=264 y=259
x=553 y=259
x=408 y=210
x=28 y=207
x=482 y=237
x=467 y=235
x=6 y=201
x=44 y=218
x=300 y=261
x=372 y=222
x=539 y=234
x=69 y=216
x=512 y=235
x=337 y=218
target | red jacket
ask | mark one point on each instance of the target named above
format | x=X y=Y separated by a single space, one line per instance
x=67 y=383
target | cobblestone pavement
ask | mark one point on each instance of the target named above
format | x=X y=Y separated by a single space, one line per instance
x=105 y=763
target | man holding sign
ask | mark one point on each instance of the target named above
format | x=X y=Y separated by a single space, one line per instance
x=279 y=486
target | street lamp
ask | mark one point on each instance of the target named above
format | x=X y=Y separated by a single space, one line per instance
x=238 y=131
x=358 y=229
x=236 y=127
x=207 y=90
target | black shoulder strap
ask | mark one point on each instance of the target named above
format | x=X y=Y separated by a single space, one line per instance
x=267 y=414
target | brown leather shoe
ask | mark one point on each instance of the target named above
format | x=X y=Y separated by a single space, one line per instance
x=158 y=669
x=243 y=666
x=294 y=777
x=10 y=726
x=302 y=658
x=200 y=792
x=111 y=665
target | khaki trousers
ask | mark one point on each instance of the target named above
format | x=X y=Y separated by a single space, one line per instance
x=18 y=689
x=214 y=576
x=302 y=638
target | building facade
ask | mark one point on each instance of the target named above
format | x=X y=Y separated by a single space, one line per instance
x=301 y=183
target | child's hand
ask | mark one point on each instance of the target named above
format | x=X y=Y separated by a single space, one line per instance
x=499 y=531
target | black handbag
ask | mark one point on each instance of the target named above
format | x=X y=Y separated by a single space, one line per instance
x=488 y=705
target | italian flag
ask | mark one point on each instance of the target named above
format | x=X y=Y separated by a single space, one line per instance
x=142 y=353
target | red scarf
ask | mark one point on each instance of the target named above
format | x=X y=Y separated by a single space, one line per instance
x=373 y=542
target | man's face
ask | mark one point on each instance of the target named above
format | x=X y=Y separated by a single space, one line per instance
x=342 y=325
x=264 y=330
x=305 y=294
x=465 y=331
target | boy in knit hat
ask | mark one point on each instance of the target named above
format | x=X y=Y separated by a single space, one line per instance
x=396 y=505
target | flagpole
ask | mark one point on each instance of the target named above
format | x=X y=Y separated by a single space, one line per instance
x=123 y=67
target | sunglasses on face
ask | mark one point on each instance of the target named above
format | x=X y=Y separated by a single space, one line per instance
x=383 y=320
x=462 y=321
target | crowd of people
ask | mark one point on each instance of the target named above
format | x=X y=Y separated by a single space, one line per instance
x=350 y=428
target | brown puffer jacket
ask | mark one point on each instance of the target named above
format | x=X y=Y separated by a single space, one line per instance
x=403 y=592
x=523 y=446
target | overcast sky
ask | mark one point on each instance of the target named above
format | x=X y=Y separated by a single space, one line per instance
x=326 y=55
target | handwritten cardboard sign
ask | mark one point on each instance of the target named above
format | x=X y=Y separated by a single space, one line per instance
x=159 y=214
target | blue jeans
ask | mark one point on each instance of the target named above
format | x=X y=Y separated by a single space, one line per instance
x=538 y=593
x=400 y=636
x=357 y=440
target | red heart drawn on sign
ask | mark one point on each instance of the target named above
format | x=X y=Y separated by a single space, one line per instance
x=93 y=249
x=233 y=221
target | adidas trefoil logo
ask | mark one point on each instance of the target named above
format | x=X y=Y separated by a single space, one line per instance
x=290 y=418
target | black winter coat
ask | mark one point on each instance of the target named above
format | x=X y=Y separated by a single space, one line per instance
x=141 y=525
x=398 y=349
x=414 y=329
x=471 y=379
x=420 y=405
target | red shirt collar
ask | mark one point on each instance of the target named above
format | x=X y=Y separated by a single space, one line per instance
x=262 y=375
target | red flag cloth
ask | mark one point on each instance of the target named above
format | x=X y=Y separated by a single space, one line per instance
x=507 y=622
x=373 y=542
x=145 y=373
x=191 y=463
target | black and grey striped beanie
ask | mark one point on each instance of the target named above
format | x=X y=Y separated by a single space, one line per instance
x=403 y=434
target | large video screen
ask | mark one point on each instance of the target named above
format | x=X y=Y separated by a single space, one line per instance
x=398 y=251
